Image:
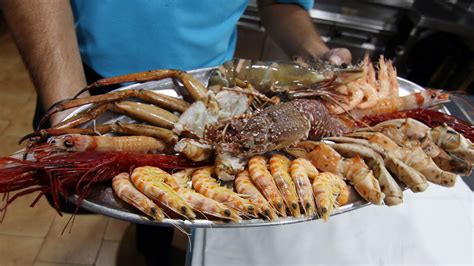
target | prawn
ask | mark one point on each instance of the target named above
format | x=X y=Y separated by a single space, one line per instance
x=301 y=170
x=126 y=191
x=383 y=80
x=198 y=201
x=279 y=167
x=208 y=206
x=244 y=185
x=329 y=191
x=421 y=99
x=154 y=183
x=266 y=184
x=353 y=97
x=204 y=184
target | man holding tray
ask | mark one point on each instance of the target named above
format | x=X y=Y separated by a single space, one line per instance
x=67 y=44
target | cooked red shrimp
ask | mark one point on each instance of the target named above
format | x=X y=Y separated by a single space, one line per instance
x=208 y=206
x=415 y=100
x=353 y=96
x=280 y=169
x=370 y=96
x=204 y=183
x=244 y=186
x=329 y=191
x=76 y=142
x=383 y=79
x=392 y=77
x=370 y=73
x=153 y=182
x=126 y=191
x=263 y=180
x=301 y=170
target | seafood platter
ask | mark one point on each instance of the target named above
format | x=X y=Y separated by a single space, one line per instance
x=246 y=143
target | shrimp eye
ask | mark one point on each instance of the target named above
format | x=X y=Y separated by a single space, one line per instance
x=68 y=144
x=433 y=95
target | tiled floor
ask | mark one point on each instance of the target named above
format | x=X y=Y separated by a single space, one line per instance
x=33 y=236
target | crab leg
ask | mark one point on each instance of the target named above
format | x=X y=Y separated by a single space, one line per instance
x=195 y=88
x=415 y=181
x=164 y=101
x=83 y=117
x=147 y=112
x=388 y=185
x=118 y=127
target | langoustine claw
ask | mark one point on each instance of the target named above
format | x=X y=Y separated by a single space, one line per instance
x=415 y=181
x=412 y=156
x=388 y=185
x=435 y=142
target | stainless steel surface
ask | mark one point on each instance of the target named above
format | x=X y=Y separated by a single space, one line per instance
x=442 y=16
x=103 y=201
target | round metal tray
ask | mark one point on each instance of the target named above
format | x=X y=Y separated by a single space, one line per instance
x=103 y=201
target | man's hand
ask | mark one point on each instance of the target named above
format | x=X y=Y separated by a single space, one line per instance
x=292 y=28
x=338 y=56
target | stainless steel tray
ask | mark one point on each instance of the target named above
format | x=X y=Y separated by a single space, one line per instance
x=103 y=201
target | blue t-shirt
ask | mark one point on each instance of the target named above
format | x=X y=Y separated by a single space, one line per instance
x=122 y=36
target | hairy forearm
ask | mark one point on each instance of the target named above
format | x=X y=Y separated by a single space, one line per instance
x=44 y=33
x=292 y=28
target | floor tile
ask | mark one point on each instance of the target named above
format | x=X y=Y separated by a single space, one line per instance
x=18 y=250
x=108 y=253
x=22 y=220
x=58 y=264
x=116 y=229
x=9 y=145
x=80 y=245
x=4 y=123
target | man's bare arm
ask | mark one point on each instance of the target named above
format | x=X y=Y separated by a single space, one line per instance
x=291 y=27
x=44 y=33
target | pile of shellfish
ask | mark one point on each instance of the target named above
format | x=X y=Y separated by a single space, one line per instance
x=259 y=140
